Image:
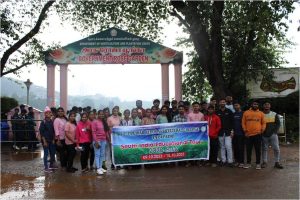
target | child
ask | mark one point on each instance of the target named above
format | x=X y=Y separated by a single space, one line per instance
x=47 y=135
x=126 y=121
x=70 y=140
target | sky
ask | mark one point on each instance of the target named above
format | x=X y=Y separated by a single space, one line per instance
x=128 y=82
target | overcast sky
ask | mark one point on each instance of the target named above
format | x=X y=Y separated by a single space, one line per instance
x=128 y=82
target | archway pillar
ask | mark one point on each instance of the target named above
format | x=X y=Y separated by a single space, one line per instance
x=165 y=81
x=50 y=85
x=64 y=86
x=178 y=81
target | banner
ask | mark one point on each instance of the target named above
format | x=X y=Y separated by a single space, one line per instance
x=113 y=46
x=285 y=82
x=170 y=142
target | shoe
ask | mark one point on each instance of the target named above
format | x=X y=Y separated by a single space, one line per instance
x=188 y=164
x=263 y=165
x=236 y=164
x=47 y=170
x=222 y=164
x=258 y=167
x=99 y=171
x=214 y=165
x=278 y=165
x=16 y=147
x=241 y=165
x=75 y=169
x=53 y=166
x=103 y=165
x=112 y=167
x=70 y=170
x=103 y=170
x=85 y=170
x=247 y=166
x=230 y=165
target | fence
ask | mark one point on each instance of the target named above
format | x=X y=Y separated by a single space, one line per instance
x=20 y=132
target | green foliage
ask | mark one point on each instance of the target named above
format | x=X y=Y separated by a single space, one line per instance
x=138 y=17
x=7 y=103
x=252 y=36
x=195 y=85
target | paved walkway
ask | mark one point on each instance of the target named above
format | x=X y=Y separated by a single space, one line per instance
x=22 y=176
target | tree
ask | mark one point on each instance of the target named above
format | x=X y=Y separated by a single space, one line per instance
x=7 y=103
x=231 y=38
x=11 y=31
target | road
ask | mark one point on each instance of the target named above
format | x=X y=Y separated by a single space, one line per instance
x=22 y=177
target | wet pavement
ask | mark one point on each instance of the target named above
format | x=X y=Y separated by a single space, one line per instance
x=22 y=177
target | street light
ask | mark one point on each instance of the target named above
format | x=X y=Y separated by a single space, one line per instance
x=28 y=84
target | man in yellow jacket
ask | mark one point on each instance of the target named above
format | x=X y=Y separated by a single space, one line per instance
x=254 y=124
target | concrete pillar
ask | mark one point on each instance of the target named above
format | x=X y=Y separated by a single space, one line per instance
x=165 y=81
x=64 y=86
x=51 y=85
x=178 y=81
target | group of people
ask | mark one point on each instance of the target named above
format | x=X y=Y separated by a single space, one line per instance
x=23 y=127
x=230 y=129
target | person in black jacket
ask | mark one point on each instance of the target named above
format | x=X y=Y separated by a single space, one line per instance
x=226 y=133
x=47 y=138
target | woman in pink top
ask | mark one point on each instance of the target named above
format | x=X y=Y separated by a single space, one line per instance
x=84 y=139
x=112 y=121
x=59 y=128
x=92 y=116
x=70 y=131
x=147 y=120
x=100 y=131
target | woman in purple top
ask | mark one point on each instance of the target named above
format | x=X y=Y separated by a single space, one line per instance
x=100 y=131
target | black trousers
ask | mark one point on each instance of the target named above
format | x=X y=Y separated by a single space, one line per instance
x=214 y=148
x=84 y=154
x=71 y=152
x=92 y=156
x=62 y=151
x=239 y=148
x=256 y=142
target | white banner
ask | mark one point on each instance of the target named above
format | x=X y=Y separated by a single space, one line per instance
x=285 y=81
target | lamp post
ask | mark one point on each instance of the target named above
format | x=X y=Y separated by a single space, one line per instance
x=28 y=84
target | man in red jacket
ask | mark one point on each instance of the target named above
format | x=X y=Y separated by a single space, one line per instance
x=214 y=125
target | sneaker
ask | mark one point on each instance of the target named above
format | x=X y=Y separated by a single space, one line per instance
x=247 y=166
x=48 y=170
x=230 y=165
x=241 y=165
x=99 y=171
x=214 y=165
x=103 y=170
x=75 y=169
x=263 y=165
x=53 y=166
x=278 y=165
x=258 y=167
x=85 y=170
x=16 y=147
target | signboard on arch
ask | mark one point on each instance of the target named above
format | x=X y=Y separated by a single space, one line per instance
x=113 y=46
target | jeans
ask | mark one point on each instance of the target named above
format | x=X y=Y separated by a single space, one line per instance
x=100 y=153
x=239 y=148
x=50 y=149
x=273 y=141
x=214 y=148
x=226 y=147
x=256 y=142
x=71 y=153
x=84 y=154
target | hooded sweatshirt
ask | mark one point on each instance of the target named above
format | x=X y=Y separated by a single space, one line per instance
x=214 y=125
x=253 y=122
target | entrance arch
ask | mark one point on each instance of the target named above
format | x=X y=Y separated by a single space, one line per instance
x=112 y=46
